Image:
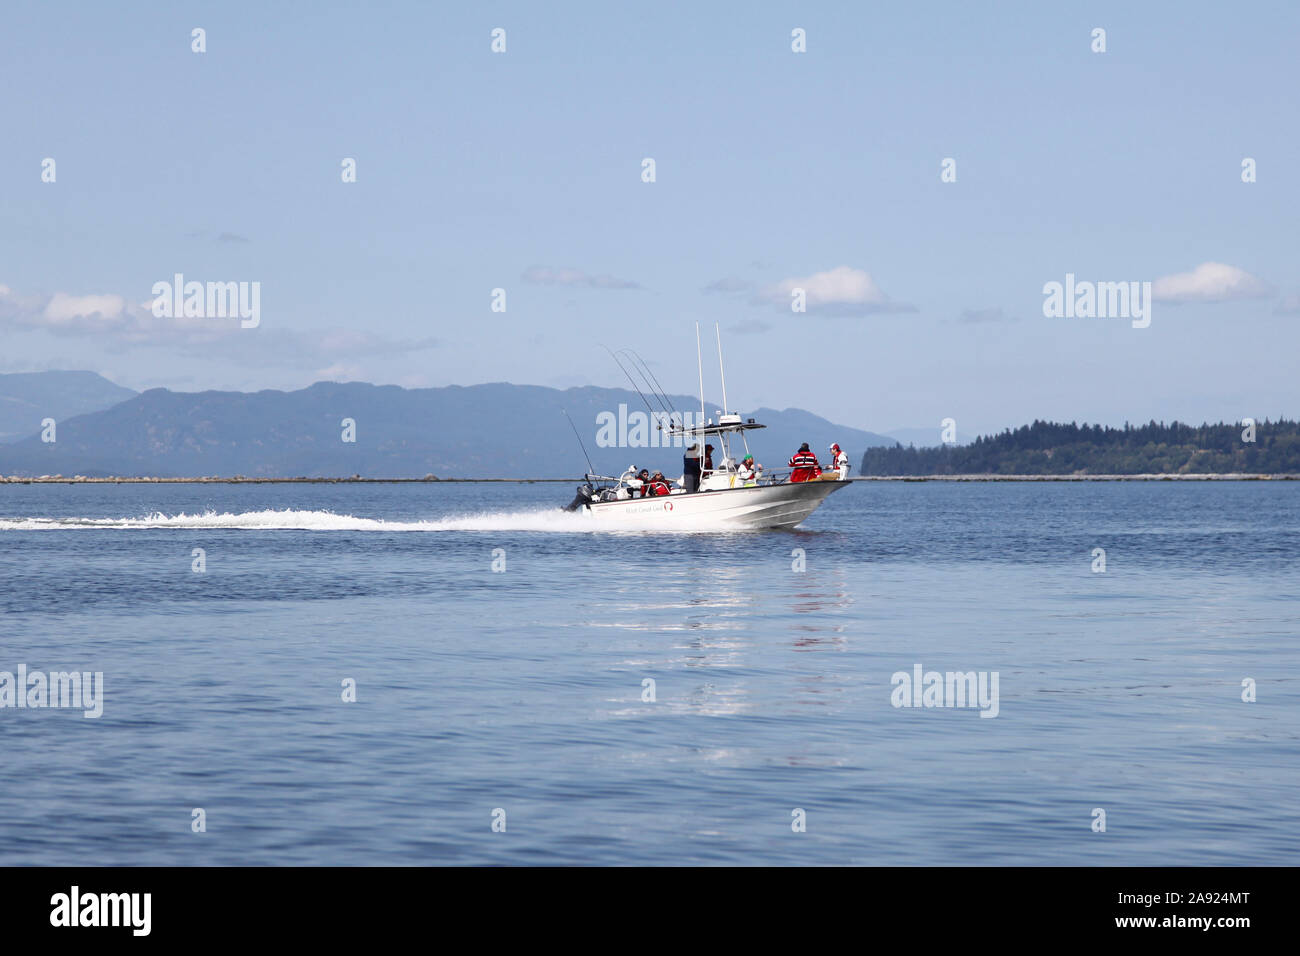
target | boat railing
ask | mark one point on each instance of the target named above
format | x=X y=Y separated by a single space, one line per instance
x=774 y=476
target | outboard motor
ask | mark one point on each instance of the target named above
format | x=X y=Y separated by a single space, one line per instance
x=583 y=497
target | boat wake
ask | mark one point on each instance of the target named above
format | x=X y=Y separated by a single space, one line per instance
x=551 y=520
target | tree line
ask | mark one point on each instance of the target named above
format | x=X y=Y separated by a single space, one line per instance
x=1050 y=448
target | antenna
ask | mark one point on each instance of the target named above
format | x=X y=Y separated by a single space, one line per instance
x=721 y=371
x=699 y=360
x=591 y=470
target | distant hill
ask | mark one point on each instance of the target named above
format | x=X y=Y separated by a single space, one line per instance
x=496 y=430
x=27 y=398
x=1048 y=448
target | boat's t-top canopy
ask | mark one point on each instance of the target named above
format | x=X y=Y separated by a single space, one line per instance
x=725 y=423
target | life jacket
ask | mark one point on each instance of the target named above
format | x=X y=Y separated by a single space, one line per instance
x=658 y=488
x=805 y=466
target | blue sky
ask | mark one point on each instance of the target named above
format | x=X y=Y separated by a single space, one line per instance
x=522 y=170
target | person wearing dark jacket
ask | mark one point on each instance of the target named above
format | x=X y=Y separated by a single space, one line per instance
x=691 y=469
x=804 y=463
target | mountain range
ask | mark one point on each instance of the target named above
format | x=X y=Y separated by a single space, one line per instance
x=27 y=398
x=497 y=430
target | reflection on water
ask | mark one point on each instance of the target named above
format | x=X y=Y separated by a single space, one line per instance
x=527 y=689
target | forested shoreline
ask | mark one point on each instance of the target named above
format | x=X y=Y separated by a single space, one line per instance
x=1050 y=448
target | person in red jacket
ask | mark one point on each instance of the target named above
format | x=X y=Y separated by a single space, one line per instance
x=658 y=486
x=804 y=463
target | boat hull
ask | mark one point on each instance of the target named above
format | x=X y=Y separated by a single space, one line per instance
x=755 y=508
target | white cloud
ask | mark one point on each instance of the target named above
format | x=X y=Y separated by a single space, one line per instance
x=65 y=308
x=729 y=284
x=542 y=275
x=107 y=316
x=338 y=372
x=839 y=291
x=1288 y=305
x=996 y=314
x=357 y=342
x=118 y=325
x=1210 y=282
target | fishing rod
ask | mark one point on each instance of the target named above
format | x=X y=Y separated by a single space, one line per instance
x=631 y=380
x=650 y=376
x=591 y=469
x=671 y=416
x=627 y=353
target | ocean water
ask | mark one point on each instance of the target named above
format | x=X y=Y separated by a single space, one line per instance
x=517 y=694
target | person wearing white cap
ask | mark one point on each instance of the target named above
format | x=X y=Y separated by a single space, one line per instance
x=839 y=460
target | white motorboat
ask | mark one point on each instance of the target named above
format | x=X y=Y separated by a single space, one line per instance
x=727 y=497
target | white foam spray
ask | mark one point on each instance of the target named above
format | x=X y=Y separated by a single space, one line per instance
x=551 y=520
